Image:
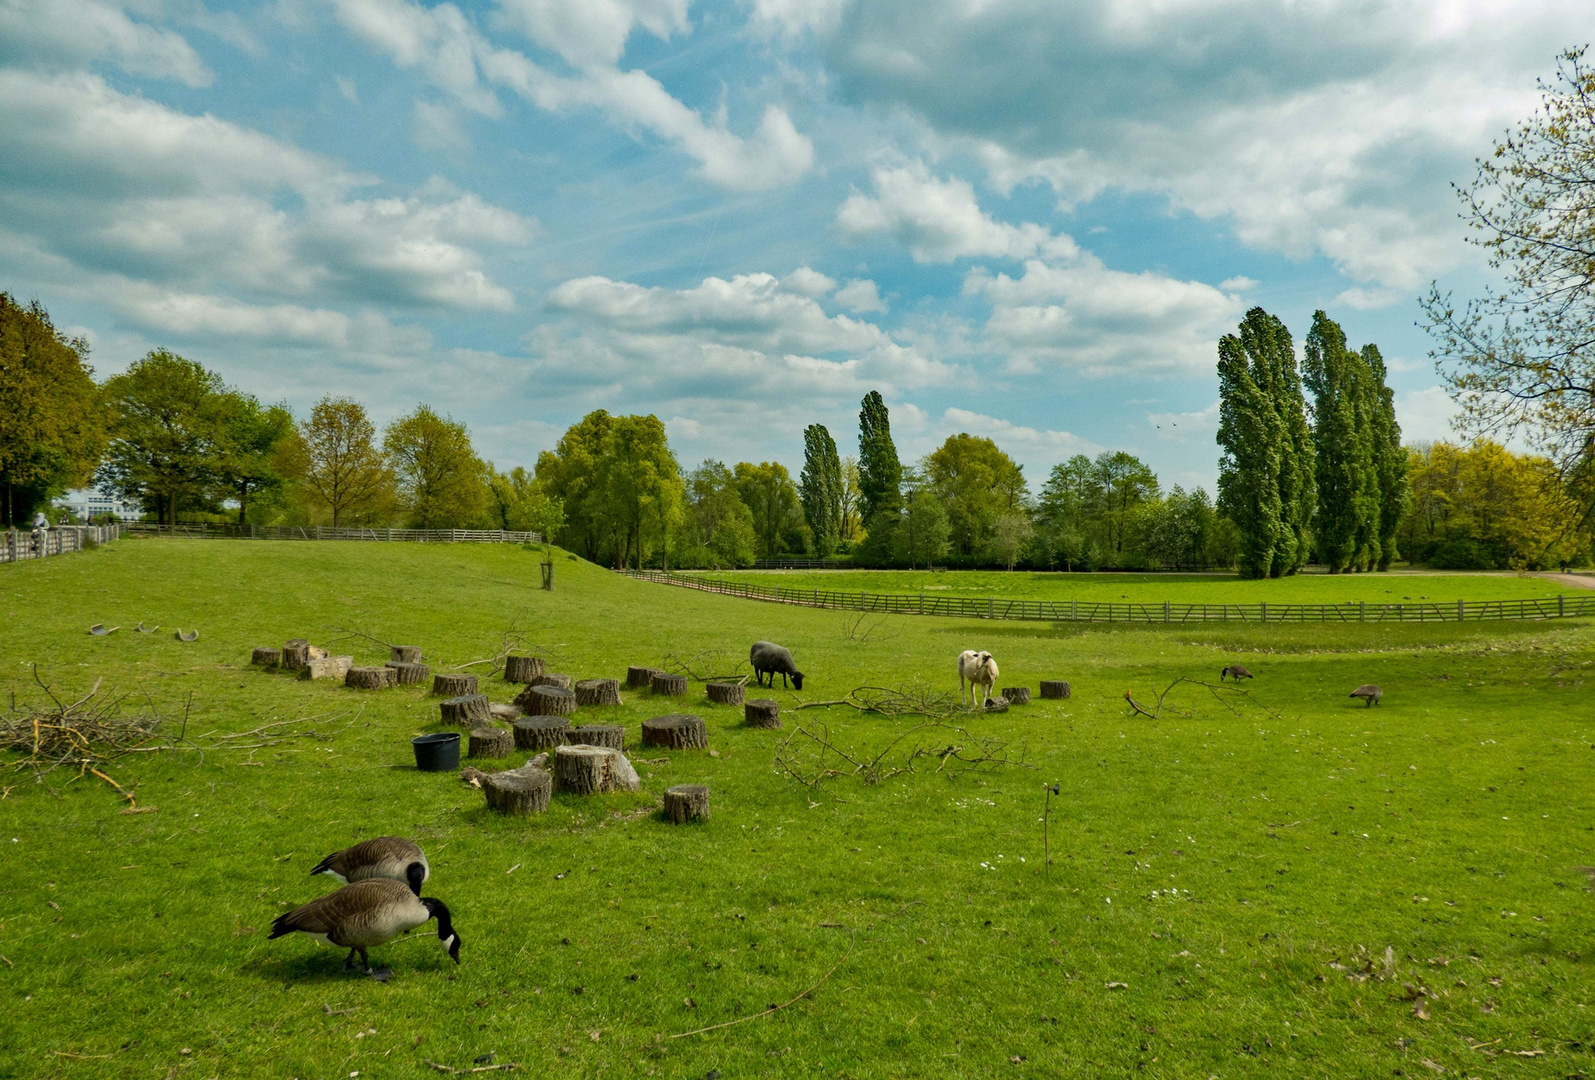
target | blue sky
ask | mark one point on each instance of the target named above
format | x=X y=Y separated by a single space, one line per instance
x=1029 y=220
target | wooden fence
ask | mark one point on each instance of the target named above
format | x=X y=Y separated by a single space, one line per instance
x=16 y=545
x=209 y=530
x=1555 y=607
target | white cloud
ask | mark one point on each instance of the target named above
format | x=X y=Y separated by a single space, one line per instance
x=67 y=33
x=439 y=128
x=446 y=49
x=791 y=18
x=1362 y=299
x=1239 y=283
x=807 y=282
x=860 y=296
x=1425 y=415
x=589 y=33
x=1018 y=441
x=1187 y=427
x=940 y=220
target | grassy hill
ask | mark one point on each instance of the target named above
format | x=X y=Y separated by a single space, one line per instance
x=1225 y=885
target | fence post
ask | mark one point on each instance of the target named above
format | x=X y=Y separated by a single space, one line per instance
x=1165 y=611
x=1264 y=615
x=1561 y=605
x=1460 y=612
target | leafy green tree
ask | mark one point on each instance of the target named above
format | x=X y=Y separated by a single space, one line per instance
x=768 y=491
x=1253 y=438
x=1124 y=483
x=337 y=468
x=821 y=489
x=568 y=473
x=1347 y=485
x=1010 y=534
x=168 y=435
x=921 y=537
x=976 y=483
x=880 y=473
x=51 y=430
x=441 y=480
x=1520 y=360
x=1177 y=530
x=851 y=521
x=637 y=492
x=251 y=449
x=718 y=528
x=1389 y=458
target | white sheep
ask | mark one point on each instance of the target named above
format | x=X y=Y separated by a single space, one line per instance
x=981 y=671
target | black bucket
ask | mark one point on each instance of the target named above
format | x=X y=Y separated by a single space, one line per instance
x=439 y=752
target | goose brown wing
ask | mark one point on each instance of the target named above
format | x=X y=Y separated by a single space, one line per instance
x=366 y=913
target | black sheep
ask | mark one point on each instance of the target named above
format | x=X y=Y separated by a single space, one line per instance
x=772 y=658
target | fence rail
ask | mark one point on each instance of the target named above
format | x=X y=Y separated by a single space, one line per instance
x=17 y=545
x=799 y=563
x=1555 y=607
x=215 y=531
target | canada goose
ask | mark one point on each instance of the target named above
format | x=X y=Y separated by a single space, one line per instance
x=383 y=857
x=1369 y=693
x=1236 y=672
x=365 y=915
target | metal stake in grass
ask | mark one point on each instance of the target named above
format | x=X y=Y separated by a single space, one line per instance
x=1046 y=843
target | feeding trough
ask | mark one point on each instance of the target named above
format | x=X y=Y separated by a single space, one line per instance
x=438 y=752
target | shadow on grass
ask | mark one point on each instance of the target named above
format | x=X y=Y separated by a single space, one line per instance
x=304 y=962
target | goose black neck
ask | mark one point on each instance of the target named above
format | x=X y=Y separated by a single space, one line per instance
x=415 y=874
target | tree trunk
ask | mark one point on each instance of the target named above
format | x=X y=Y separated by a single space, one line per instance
x=295 y=654
x=610 y=735
x=522 y=669
x=518 y=791
x=529 y=702
x=762 y=713
x=266 y=657
x=639 y=678
x=410 y=674
x=598 y=692
x=1054 y=688
x=675 y=732
x=550 y=701
x=687 y=802
x=467 y=711
x=491 y=742
x=404 y=654
x=552 y=678
x=672 y=685
x=453 y=685
x=1016 y=695
x=328 y=667
x=593 y=770
x=243 y=501
x=724 y=693
x=540 y=732
x=371 y=678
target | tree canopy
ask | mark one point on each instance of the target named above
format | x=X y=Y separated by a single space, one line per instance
x=442 y=483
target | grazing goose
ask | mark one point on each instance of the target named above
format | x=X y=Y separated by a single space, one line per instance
x=1236 y=672
x=384 y=857
x=366 y=914
x=1369 y=693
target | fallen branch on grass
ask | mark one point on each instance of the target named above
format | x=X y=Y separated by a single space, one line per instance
x=1224 y=694
x=698 y=666
x=508 y=1065
x=853 y=940
x=811 y=756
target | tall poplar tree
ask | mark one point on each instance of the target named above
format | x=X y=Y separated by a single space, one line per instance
x=1348 y=491
x=820 y=488
x=880 y=471
x=1252 y=436
x=1389 y=458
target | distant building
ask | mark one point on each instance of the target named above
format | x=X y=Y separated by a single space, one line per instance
x=86 y=504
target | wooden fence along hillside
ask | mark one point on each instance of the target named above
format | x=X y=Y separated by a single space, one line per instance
x=216 y=531
x=16 y=544
x=1556 y=607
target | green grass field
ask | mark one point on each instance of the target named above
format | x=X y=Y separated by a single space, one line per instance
x=1223 y=892
x=1388 y=588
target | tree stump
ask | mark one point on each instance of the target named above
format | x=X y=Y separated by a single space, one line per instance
x=328 y=667
x=404 y=654
x=687 y=802
x=1054 y=688
x=592 y=770
x=676 y=732
x=518 y=791
x=610 y=735
x=453 y=685
x=295 y=654
x=551 y=678
x=370 y=678
x=673 y=685
x=505 y=712
x=522 y=668
x=410 y=672
x=996 y=704
x=552 y=701
x=490 y=742
x=1017 y=695
x=313 y=652
x=467 y=710
x=598 y=692
x=639 y=678
x=540 y=732
x=762 y=713
x=266 y=657
x=725 y=693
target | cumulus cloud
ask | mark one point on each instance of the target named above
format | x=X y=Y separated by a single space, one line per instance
x=1318 y=128
x=861 y=296
x=940 y=220
x=55 y=34
x=807 y=282
x=453 y=55
x=117 y=184
x=591 y=32
x=1020 y=442
x=1186 y=427
x=1425 y=415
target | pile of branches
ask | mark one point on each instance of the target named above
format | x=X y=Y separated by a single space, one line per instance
x=1228 y=696
x=82 y=735
x=811 y=755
